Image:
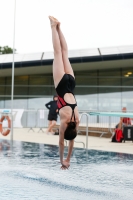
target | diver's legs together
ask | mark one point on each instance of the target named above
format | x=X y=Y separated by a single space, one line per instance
x=61 y=64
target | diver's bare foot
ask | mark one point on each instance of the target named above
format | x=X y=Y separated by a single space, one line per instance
x=58 y=25
x=53 y=21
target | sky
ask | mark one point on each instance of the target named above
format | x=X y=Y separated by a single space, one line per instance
x=86 y=24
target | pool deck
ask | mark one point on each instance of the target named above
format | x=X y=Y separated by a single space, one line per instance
x=97 y=143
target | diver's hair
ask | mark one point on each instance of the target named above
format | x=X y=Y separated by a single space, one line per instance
x=70 y=132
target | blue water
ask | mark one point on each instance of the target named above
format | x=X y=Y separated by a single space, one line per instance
x=31 y=171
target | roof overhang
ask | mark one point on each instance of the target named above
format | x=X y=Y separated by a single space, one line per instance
x=80 y=60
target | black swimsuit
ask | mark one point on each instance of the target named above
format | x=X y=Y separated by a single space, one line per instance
x=66 y=85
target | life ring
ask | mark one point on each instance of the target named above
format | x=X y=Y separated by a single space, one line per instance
x=6 y=132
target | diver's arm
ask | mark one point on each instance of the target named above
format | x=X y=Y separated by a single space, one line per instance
x=61 y=145
x=70 y=149
x=65 y=164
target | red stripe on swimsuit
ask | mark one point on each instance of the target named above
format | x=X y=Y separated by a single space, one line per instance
x=61 y=103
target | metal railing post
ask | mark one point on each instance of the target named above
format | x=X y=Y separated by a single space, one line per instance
x=39 y=118
x=11 y=127
x=110 y=123
x=110 y=130
x=30 y=123
x=86 y=127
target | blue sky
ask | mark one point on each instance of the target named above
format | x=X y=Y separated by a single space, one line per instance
x=85 y=23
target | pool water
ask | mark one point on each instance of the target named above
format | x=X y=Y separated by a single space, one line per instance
x=32 y=171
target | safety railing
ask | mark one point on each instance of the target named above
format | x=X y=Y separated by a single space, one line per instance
x=41 y=119
x=113 y=118
x=35 y=119
x=31 y=116
x=97 y=124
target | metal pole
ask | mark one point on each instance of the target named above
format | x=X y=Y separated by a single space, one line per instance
x=12 y=90
x=86 y=127
x=109 y=123
x=110 y=126
x=86 y=131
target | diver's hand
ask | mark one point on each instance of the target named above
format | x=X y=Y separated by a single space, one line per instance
x=65 y=164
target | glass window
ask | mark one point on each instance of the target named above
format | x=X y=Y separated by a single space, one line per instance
x=38 y=103
x=18 y=102
x=109 y=77
x=127 y=99
x=8 y=80
x=41 y=80
x=2 y=81
x=86 y=73
x=127 y=77
x=127 y=81
x=21 y=80
x=110 y=72
x=105 y=81
x=53 y=91
x=87 y=102
x=8 y=90
x=7 y=102
x=86 y=80
x=2 y=90
x=21 y=90
x=2 y=102
x=18 y=80
x=127 y=71
x=105 y=89
x=40 y=91
x=109 y=99
x=85 y=90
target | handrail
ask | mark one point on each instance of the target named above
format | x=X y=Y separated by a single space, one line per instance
x=81 y=142
x=86 y=127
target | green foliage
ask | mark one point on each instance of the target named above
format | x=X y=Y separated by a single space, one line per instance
x=6 y=50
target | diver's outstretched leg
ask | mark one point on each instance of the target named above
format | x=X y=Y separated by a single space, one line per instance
x=58 y=66
x=67 y=66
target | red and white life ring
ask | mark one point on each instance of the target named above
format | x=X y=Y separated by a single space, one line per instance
x=6 y=132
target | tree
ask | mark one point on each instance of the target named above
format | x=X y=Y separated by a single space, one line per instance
x=6 y=50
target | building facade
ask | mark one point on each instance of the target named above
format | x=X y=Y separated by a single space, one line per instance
x=104 y=79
